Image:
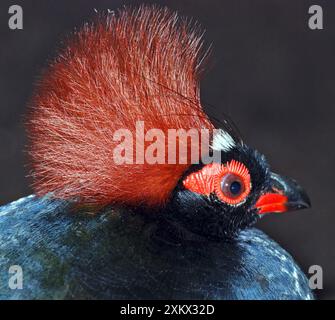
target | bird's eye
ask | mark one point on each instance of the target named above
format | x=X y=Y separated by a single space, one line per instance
x=232 y=185
x=230 y=181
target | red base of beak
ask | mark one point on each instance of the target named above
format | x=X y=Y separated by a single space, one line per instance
x=271 y=202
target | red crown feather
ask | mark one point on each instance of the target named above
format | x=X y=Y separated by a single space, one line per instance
x=136 y=65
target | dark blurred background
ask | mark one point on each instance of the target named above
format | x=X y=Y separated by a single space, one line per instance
x=269 y=72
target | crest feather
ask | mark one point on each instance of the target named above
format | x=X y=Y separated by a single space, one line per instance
x=136 y=65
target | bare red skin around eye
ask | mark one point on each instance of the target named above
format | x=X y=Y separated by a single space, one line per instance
x=208 y=180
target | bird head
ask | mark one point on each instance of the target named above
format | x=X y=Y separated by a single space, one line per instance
x=144 y=65
x=218 y=199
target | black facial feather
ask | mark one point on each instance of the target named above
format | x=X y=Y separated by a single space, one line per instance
x=208 y=216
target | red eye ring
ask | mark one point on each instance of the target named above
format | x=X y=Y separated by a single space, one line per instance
x=241 y=173
x=208 y=180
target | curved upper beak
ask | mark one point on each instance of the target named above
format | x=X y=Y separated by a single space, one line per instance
x=284 y=194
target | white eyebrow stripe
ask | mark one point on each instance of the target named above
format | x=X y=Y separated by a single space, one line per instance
x=222 y=141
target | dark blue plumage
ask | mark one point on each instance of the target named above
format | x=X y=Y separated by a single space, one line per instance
x=121 y=255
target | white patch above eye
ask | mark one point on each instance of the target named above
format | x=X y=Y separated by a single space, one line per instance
x=222 y=141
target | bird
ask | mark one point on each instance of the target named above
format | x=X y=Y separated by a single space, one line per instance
x=110 y=221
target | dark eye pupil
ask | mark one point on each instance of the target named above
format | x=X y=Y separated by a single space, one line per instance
x=235 y=188
x=232 y=186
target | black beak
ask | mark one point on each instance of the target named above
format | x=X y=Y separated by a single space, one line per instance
x=284 y=195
